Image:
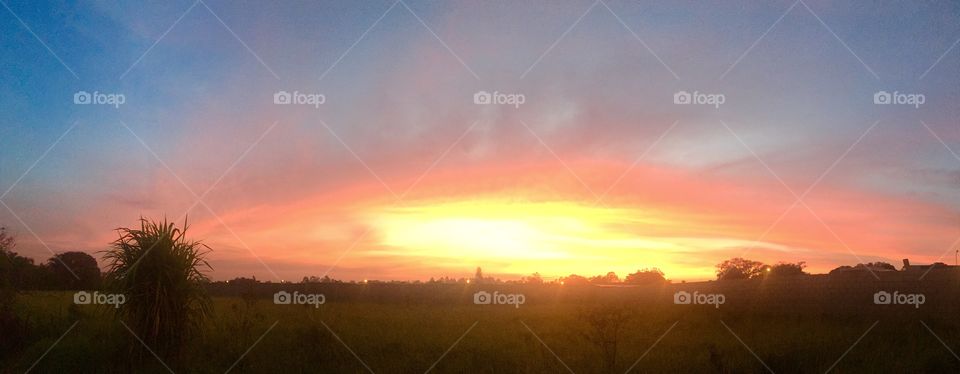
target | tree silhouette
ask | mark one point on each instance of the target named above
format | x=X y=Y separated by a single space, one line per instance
x=786 y=269
x=161 y=274
x=645 y=276
x=74 y=271
x=740 y=268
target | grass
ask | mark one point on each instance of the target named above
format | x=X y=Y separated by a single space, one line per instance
x=410 y=337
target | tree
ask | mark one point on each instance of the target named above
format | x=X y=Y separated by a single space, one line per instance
x=161 y=275
x=645 y=276
x=610 y=278
x=74 y=271
x=740 y=268
x=7 y=241
x=478 y=277
x=534 y=278
x=879 y=265
x=786 y=269
x=574 y=280
x=16 y=271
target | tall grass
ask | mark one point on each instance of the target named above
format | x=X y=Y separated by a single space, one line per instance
x=161 y=274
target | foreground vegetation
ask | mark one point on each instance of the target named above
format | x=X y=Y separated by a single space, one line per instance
x=606 y=334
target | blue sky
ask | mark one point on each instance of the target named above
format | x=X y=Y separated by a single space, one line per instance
x=599 y=80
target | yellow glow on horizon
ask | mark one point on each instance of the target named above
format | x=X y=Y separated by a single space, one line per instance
x=554 y=237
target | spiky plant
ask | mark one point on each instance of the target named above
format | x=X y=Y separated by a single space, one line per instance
x=161 y=274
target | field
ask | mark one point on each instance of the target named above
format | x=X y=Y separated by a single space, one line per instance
x=815 y=325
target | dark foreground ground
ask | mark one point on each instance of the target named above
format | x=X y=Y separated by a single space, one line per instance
x=809 y=325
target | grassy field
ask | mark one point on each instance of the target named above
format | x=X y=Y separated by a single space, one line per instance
x=437 y=327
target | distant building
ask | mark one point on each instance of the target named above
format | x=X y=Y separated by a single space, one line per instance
x=936 y=265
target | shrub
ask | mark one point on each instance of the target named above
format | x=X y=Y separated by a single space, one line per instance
x=160 y=273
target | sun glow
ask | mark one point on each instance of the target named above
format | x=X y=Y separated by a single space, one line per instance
x=554 y=237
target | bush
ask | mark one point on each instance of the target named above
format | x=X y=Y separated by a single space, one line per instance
x=159 y=272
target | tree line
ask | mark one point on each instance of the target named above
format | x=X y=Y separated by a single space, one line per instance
x=63 y=271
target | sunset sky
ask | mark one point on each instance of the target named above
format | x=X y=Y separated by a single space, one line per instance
x=400 y=175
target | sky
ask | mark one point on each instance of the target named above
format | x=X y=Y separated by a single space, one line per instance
x=584 y=163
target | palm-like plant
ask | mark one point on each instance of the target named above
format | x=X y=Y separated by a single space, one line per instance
x=160 y=273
